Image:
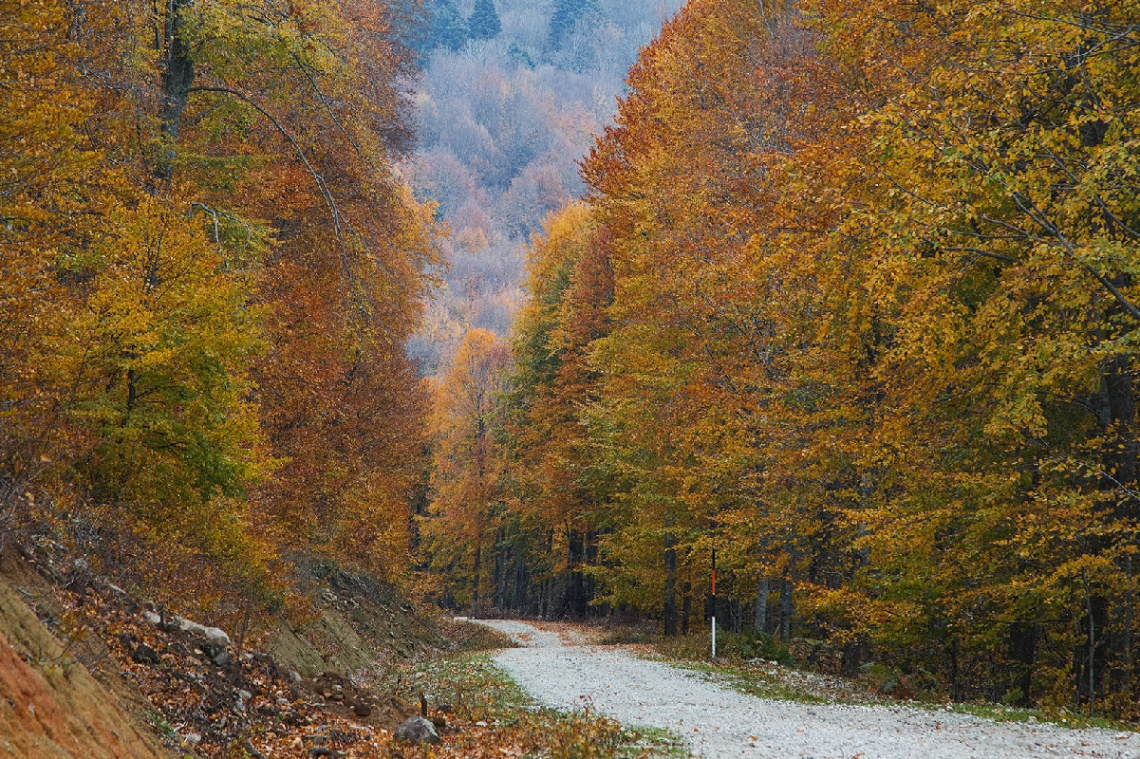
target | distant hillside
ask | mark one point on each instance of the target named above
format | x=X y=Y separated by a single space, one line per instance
x=502 y=124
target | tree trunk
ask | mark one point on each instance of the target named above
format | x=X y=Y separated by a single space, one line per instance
x=576 y=553
x=1109 y=665
x=785 y=609
x=475 y=572
x=686 y=607
x=1127 y=614
x=760 y=621
x=670 y=586
x=177 y=79
x=1023 y=637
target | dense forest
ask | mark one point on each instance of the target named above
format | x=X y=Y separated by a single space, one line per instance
x=851 y=299
x=209 y=271
x=844 y=292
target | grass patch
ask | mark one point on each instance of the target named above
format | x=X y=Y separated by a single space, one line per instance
x=758 y=683
x=1063 y=717
x=495 y=718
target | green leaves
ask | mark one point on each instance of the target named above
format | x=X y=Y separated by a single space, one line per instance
x=163 y=350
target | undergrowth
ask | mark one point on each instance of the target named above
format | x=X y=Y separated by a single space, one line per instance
x=496 y=718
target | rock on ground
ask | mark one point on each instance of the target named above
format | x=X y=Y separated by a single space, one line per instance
x=721 y=723
x=417 y=730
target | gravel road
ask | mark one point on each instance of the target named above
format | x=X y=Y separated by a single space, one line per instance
x=723 y=723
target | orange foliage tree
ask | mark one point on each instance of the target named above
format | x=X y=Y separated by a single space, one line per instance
x=461 y=531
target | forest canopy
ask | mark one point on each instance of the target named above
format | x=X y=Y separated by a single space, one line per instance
x=852 y=299
x=209 y=272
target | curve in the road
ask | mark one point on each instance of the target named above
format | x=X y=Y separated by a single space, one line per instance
x=723 y=723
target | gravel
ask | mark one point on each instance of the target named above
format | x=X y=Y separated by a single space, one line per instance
x=723 y=723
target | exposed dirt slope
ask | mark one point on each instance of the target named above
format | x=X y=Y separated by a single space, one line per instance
x=50 y=705
x=357 y=626
x=89 y=671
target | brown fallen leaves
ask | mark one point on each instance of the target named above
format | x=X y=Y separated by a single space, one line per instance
x=212 y=701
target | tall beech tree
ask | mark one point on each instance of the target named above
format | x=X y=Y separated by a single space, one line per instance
x=461 y=530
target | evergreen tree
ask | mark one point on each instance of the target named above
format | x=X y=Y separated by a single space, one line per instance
x=484 y=22
x=567 y=14
x=448 y=27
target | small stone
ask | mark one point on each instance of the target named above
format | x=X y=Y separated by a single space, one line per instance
x=192 y=739
x=362 y=710
x=216 y=635
x=294 y=676
x=187 y=625
x=417 y=730
x=244 y=695
x=217 y=653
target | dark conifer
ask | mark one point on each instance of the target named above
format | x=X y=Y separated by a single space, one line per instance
x=448 y=27
x=484 y=22
x=567 y=14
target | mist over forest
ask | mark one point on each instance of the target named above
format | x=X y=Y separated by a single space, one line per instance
x=502 y=123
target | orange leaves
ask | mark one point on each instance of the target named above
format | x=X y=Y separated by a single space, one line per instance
x=466 y=486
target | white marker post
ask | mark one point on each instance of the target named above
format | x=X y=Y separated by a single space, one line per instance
x=714 y=603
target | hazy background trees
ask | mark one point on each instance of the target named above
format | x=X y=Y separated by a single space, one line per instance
x=503 y=119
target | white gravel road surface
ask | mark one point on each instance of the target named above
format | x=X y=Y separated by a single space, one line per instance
x=723 y=723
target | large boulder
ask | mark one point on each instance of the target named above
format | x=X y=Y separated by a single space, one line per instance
x=417 y=730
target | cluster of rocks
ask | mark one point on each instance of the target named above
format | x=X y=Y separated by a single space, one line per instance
x=214 y=644
x=214 y=641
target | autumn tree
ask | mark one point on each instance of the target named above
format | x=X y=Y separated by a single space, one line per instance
x=545 y=455
x=1011 y=295
x=466 y=492
x=43 y=176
